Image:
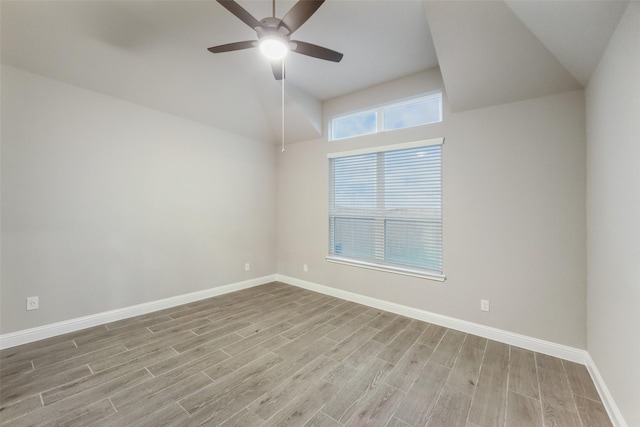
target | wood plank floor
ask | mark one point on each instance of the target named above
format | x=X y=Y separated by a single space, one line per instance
x=280 y=355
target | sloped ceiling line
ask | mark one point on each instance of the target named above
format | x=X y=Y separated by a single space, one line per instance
x=577 y=33
x=489 y=57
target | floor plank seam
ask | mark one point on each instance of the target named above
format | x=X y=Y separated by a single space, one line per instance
x=506 y=397
x=150 y=373
x=587 y=397
x=329 y=416
x=184 y=410
x=438 y=343
x=535 y=365
x=444 y=384
x=572 y=394
x=213 y=381
x=575 y=404
x=112 y=405
x=475 y=388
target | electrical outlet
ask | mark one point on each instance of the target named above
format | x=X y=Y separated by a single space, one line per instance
x=484 y=305
x=247 y=267
x=33 y=303
x=305 y=268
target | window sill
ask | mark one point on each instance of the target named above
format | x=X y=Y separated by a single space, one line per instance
x=422 y=274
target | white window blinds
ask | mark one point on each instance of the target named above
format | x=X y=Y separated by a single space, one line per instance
x=385 y=208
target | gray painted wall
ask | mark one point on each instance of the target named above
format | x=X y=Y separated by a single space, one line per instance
x=106 y=204
x=514 y=213
x=613 y=212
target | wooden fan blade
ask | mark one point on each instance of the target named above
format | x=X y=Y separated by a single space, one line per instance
x=299 y=14
x=240 y=13
x=232 y=46
x=316 y=51
x=278 y=72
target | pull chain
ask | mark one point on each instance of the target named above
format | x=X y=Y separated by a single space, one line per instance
x=283 y=104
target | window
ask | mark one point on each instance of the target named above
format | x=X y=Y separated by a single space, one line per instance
x=385 y=208
x=354 y=125
x=410 y=112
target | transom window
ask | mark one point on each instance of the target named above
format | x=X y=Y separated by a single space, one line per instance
x=406 y=113
x=385 y=208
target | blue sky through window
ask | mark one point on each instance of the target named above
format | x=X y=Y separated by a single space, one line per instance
x=360 y=124
x=401 y=114
x=414 y=114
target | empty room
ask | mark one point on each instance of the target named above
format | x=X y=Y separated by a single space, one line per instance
x=320 y=213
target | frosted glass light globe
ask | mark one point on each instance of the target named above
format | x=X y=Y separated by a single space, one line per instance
x=273 y=48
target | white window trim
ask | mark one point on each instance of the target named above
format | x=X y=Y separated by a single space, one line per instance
x=402 y=270
x=383 y=148
x=405 y=271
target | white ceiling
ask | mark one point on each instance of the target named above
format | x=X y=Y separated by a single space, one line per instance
x=154 y=53
x=575 y=32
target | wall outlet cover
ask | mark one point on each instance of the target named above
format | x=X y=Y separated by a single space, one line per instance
x=33 y=303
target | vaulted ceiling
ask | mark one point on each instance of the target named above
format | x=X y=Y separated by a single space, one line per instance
x=154 y=53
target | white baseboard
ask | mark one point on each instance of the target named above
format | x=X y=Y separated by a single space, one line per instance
x=534 y=344
x=529 y=343
x=605 y=395
x=47 y=331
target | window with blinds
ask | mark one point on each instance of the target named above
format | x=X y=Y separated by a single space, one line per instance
x=385 y=208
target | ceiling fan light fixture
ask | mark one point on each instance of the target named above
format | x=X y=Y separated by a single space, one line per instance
x=273 y=47
x=274 y=34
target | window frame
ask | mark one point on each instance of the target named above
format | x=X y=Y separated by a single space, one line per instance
x=380 y=110
x=381 y=242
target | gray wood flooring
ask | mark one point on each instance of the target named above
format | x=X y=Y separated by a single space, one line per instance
x=280 y=355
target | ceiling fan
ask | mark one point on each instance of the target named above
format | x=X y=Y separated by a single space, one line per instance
x=274 y=34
